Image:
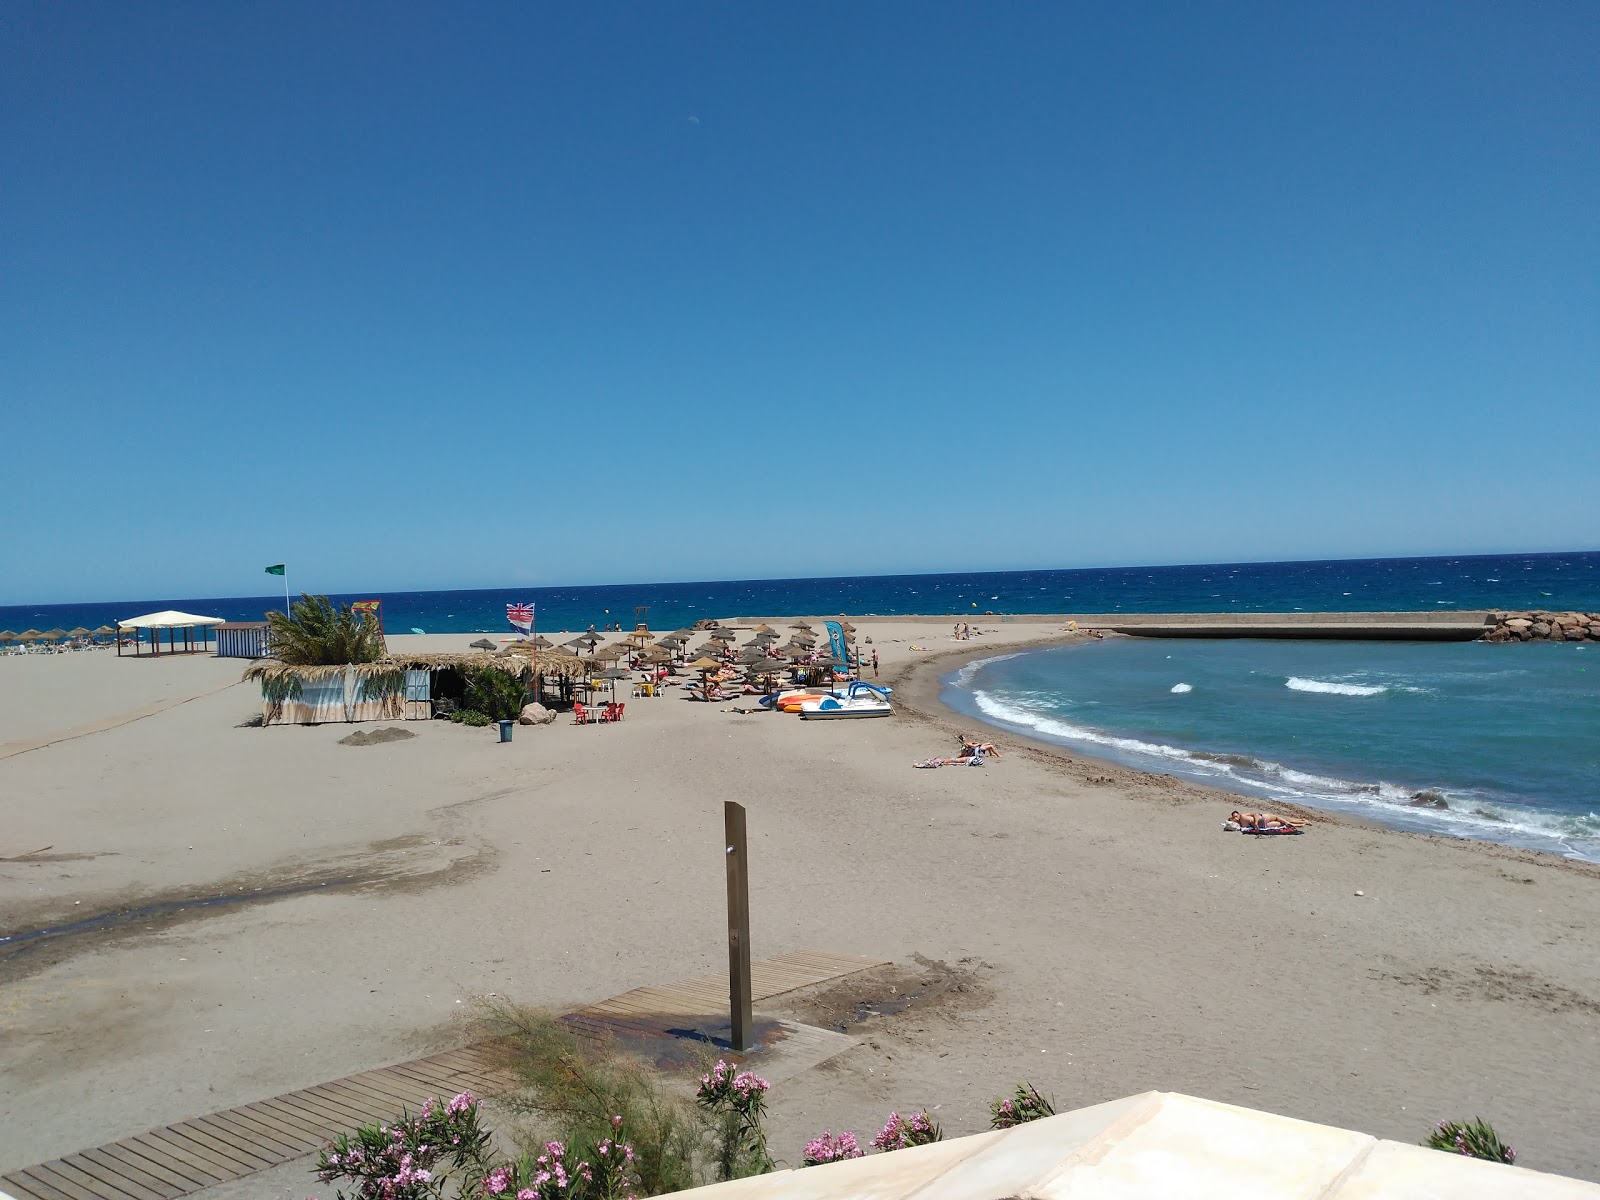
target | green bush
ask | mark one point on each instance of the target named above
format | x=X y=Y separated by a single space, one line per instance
x=471 y=717
x=498 y=695
x=1023 y=1105
x=574 y=1091
x=1477 y=1140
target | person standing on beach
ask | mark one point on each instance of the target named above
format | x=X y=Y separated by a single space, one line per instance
x=874 y=662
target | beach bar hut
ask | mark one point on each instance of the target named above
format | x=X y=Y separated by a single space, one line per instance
x=186 y=633
x=395 y=688
x=242 y=639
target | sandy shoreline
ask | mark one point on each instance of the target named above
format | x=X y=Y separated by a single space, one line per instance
x=1107 y=933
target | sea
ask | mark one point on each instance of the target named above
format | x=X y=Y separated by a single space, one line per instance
x=1554 y=581
x=1506 y=737
x=1457 y=738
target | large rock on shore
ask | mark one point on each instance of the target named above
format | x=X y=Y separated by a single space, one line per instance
x=1556 y=627
x=535 y=714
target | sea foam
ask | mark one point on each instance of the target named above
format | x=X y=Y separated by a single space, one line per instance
x=1295 y=683
x=1181 y=688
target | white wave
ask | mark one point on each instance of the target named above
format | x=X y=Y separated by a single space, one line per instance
x=1332 y=689
x=1013 y=715
x=1181 y=688
x=963 y=677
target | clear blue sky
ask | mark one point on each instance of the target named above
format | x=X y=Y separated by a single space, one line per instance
x=470 y=295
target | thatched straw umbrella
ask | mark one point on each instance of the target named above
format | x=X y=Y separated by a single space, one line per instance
x=483 y=644
x=80 y=631
x=55 y=635
x=763 y=628
x=7 y=636
x=705 y=666
x=105 y=631
x=800 y=625
x=29 y=635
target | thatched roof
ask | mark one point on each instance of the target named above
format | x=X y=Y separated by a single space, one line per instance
x=273 y=669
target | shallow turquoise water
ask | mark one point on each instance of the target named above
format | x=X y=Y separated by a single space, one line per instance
x=1508 y=734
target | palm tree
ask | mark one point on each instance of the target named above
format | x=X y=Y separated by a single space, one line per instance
x=316 y=633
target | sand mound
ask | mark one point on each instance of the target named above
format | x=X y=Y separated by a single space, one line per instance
x=390 y=733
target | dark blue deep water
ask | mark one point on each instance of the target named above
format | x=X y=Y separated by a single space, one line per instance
x=1553 y=581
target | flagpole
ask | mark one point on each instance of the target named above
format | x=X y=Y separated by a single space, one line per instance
x=286 y=611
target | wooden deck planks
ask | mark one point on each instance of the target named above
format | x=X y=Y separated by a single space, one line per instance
x=181 y=1159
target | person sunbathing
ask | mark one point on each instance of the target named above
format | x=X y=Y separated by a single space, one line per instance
x=1248 y=821
x=978 y=749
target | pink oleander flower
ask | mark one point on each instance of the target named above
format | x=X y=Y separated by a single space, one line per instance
x=901 y=1133
x=831 y=1147
x=462 y=1103
x=527 y=1194
x=498 y=1181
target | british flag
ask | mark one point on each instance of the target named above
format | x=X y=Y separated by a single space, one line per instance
x=520 y=616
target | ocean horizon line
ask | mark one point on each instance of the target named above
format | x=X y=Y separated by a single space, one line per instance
x=892 y=575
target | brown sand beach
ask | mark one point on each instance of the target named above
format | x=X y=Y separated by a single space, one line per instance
x=1073 y=923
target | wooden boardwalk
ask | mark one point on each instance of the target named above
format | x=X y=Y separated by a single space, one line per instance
x=187 y=1157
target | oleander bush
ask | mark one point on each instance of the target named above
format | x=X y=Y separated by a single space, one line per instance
x=572 y=1090
x=1023 y=1105
x=1475 y=1140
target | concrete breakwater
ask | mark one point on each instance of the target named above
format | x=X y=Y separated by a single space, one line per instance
x=1537 y=625
x=1353 y=626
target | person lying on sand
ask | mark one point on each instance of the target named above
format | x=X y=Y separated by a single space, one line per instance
x=975 y=760
x=977 y=749
x=1262 y=821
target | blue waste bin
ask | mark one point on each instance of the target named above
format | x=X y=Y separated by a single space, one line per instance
x=505 y=730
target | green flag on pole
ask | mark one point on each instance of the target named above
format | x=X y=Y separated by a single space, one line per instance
x=277 y=570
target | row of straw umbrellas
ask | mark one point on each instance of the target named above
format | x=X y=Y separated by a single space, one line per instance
x=764 y=657
x=54 y=635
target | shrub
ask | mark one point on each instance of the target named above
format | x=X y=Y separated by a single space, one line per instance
x=831 y=1147
x=1477 y=1140
x=406 y=1160
x=495 y=693
x=901 y=1133
x=1023 y=1105
x=736 y=1102
x=468 y=716
x=573 y=1092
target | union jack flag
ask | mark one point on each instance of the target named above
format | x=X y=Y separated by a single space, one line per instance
x=520 y=616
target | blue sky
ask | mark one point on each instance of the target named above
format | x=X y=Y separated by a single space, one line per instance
x=451 y=296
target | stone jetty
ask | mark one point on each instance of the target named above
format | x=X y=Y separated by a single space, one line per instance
x=1540 y=626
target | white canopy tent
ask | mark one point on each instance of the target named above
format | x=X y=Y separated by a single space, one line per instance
x=172 y=621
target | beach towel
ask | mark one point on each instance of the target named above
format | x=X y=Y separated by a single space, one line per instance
x=1235 y=827
x=932 y=763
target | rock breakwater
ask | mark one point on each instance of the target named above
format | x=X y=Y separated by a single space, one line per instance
x=1543 y=627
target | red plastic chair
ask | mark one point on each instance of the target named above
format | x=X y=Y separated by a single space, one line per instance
x=579 y=716
x=619 y=706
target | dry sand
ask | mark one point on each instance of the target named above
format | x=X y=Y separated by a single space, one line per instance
x=1079 y=925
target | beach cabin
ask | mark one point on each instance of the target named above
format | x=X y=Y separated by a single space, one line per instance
x=394 y=688
x=241 y=639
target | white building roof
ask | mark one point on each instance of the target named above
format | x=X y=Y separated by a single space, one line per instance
x=170 y=619
x=1156 y=1146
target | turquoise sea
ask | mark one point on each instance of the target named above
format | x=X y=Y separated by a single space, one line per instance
x=1508 y=736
